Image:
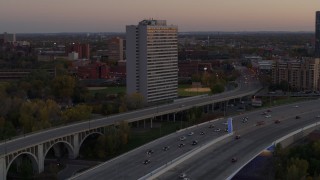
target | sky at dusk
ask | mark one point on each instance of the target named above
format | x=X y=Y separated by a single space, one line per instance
x=42 y=16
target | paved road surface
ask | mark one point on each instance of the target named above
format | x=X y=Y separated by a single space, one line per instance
x=130 y=166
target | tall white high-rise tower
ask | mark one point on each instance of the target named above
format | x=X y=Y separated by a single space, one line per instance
x=152 y=60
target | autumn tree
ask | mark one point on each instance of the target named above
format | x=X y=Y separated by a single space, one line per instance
x=37 y=114
x=134 y=101
x=77 y=113
x=63 y=87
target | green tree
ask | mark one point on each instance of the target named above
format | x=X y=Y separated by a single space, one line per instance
x=101 y=147
x=217 y=88
x=297 y=169
x=63 y=87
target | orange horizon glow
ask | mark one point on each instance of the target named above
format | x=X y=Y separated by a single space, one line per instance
x=113 y=15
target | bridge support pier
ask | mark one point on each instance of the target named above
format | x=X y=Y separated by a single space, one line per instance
x=40 y=158
x=174 y=117
x=212 y=107
x=76 y=147
x=3 y=168
x=144 y=123
x=151 y=122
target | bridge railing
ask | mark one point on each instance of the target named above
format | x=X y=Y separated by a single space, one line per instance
x=274 y=143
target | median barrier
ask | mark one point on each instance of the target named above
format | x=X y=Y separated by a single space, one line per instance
x=143 y=146
x=197 y=125
x=166 y=167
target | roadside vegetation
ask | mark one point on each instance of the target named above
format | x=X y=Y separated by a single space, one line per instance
x=298 y=162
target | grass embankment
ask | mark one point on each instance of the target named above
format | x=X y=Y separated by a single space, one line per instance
x=183 y=91
x=277 y=101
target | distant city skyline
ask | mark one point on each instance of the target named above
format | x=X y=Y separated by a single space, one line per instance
x=47 y=16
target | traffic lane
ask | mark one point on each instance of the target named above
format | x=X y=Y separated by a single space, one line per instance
x=132 y=164
x=277 y=113
x=218 y=125
x=215 y=163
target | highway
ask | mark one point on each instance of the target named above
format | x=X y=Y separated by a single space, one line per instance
x=214 y=162
x=29 y=140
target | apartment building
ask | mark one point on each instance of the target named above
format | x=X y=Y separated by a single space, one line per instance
x=301 y=75
x=152 y=60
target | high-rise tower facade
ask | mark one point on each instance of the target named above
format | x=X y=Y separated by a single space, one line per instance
x=152 y=60
x=317 y=46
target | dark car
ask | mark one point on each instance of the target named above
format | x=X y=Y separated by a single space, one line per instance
x=202 y=133
x=234 y=159
x=195 y=142
x=298 y=117
x=211 y=126
x=150 y=151
x=237 y=137
x=166 y=148
x=259 y=123
x=277 y=121
x=147 y=161
x=181 y=145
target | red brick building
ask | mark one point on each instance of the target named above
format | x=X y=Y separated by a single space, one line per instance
x=189 y=68
x=83 y=50
x=94 y=70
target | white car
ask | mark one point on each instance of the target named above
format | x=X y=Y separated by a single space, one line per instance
x=190 y=133
x=225 y=123
x=296 y=106
x=182 y=175
x=217 y=130
x=268 y=116
x=182 y=138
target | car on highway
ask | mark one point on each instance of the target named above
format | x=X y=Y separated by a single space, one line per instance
x=202 y=133
x=211 y=126
x=268 y=110
x=237 y=137
x=166 y=148
x=277 y=121
x=296 y=106
x=147 y=161
x=182 y=138
x=217 y=130
x=259 y=123
x=268 y=116
x=225 y=123
x=190 y=133
x=264 y=113
x=244 y=120
x=181 y=145
x=225 y=129
x=182 y=175
x=195 y=142
x=234 y=159
x=298 y=117
x=150 y=151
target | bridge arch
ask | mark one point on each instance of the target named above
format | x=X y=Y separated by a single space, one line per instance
x=89 y=134
x=65 y=143
x=30 y=156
